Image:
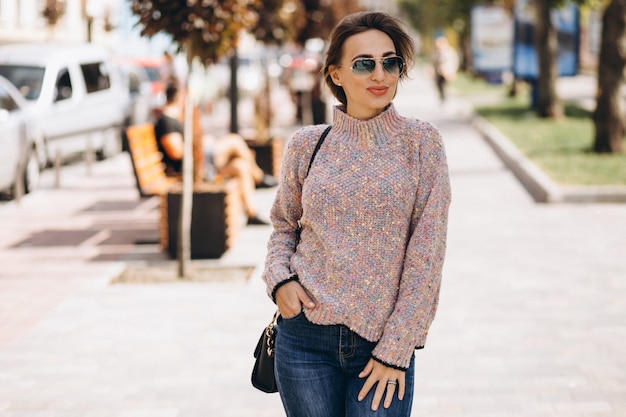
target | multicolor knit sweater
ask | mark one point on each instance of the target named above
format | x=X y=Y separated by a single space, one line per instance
x=374 y=211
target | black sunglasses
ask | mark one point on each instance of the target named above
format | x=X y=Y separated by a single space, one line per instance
x=362 y=67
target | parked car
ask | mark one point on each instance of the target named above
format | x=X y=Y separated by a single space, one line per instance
x=140 y=107
x=20 y=141
x=76 y=93
x=156 y=68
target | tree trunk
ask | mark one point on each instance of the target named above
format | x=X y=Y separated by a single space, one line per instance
x=548 y=102
x=234 y=93
x=609 y=115
x=186 y=201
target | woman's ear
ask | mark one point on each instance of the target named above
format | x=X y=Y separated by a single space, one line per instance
x=333 y=71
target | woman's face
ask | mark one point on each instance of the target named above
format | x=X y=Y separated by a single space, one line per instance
x=367 y=94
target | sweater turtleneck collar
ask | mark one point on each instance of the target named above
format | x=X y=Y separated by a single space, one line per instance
x=375 y=130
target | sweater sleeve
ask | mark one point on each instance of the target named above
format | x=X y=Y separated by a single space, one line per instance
x=407 y=327
x=287 y=208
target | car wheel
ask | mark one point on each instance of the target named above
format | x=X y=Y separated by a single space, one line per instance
x=32 y=172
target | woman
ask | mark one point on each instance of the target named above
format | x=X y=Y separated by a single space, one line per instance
x=359 y=292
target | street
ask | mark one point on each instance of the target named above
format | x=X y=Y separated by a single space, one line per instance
x=531 y=321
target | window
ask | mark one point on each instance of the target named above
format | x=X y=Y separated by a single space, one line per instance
x=96 y=76
x=63 y=86
x=28 y=80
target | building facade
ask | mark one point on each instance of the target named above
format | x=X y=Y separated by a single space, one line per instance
x=80 y=21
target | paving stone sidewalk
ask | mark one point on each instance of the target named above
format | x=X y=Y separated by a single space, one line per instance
x=532 y=319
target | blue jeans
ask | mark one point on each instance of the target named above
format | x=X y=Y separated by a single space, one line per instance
x=317 y=370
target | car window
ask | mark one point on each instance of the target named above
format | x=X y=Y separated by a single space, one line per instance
x=27 y=79
x=153 y=72
x=63 y=85
x=6 y=101
x=96 y=76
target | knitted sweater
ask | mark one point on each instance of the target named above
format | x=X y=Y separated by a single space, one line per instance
x=374 y=211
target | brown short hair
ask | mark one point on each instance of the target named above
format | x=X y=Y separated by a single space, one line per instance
x=361 y=22
x=171 y=91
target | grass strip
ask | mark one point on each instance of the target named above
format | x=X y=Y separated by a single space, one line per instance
x=562 y=148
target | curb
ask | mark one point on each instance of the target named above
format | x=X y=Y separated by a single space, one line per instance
x=538 y=184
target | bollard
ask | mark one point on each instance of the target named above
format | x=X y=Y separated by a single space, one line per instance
x=57 y=169
x=18 y=190
x=90 y=156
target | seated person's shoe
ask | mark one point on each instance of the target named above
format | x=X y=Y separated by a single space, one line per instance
x=256 y=220
x=268 y=181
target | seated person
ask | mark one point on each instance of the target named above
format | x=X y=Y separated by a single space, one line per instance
x=229 y=156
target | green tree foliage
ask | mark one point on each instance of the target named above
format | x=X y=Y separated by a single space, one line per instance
x=430 y=16
x=427 y=16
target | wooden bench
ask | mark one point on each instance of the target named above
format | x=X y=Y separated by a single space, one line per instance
x=217 y=213
x=146 y=159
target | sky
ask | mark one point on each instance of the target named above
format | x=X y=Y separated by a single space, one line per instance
x=128 y=39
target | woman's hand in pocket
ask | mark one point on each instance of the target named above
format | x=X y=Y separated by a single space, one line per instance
x=290 y=298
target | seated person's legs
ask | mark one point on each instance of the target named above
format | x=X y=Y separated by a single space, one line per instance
x=233 y=146
x=230 y=157
x=238 y=168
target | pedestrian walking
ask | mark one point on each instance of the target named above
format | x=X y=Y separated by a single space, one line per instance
x=445 y=64
x=357 y=283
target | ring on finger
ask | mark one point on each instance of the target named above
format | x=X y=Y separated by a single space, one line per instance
x=392 y=382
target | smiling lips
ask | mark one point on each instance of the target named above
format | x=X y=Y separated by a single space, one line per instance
x=378 y=90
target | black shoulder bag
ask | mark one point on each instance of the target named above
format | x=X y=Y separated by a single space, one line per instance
x=263 y=371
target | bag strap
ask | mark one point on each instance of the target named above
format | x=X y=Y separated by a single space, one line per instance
x=318 y=146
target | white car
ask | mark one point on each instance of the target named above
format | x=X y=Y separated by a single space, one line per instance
x=76 y=92
x=20 y=142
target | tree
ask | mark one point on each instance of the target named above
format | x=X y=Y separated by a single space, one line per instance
x=53 y=11
x=548 y=103
x=209 y=30
x=610 y=125
x=206 y=30
x=430 y=16
x=278 y=21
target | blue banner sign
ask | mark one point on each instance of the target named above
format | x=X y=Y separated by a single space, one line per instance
x=567 y=22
